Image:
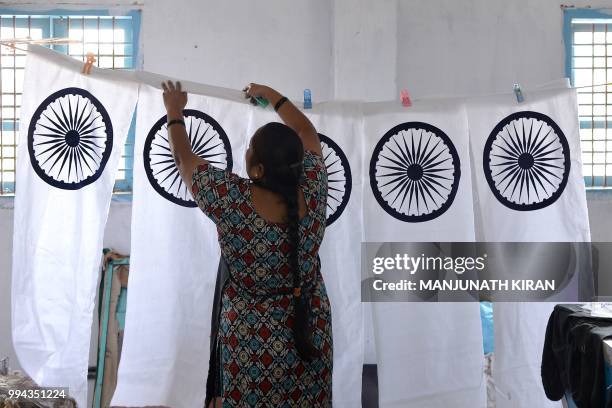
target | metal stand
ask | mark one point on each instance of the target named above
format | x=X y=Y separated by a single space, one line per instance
x=104 y=317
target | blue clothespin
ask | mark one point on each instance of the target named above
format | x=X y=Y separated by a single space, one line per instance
x=518 y=93
x=307 y=99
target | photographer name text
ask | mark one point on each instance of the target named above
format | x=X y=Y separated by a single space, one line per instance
x=466 y=285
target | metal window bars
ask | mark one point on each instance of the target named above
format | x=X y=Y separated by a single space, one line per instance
x=591 y=65
x=110 y=38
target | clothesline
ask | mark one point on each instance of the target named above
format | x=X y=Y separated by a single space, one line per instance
x=592 y=86
x=11 y=44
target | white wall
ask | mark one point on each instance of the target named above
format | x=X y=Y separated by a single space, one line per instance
x=480 y=46
x=343 y=49
x=285 y=44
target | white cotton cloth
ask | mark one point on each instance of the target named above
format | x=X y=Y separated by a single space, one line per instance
x=173 y=264
x=57 y=241
x=520 y=327
x=429 y=354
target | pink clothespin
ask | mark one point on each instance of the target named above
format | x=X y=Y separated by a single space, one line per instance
x=405 y=98
x=89 y=63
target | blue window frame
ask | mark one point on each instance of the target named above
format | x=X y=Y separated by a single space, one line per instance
x=588 y=64
x=114 y=40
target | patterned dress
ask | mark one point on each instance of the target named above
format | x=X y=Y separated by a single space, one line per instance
x=259 y=363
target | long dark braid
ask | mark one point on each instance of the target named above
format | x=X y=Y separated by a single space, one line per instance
x=280 y=150
x=302 y=330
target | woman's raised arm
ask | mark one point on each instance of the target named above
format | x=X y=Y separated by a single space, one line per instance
x=290 y=114
x=186 y=160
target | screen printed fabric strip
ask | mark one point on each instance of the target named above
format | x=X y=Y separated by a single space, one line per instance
x=72 y=130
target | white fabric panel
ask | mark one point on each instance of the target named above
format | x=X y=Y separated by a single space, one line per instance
x=456 y=223
x=520 y=327
x=339 y=253
x=60 y=212
x=428 y=353
x=174 y=259
x=341 y=122
x=566 y=219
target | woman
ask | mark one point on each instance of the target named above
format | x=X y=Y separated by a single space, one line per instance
x=275 y=334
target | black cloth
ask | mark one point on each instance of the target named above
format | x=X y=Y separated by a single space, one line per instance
x=213 y=382
x=573 y=357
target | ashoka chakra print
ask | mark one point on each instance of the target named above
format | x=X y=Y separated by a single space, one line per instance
x=339 y=179
x=526 y=161
x=415 y=172
x=208 y=140
x=70 y=139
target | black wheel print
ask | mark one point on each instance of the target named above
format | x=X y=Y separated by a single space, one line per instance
x=339 y=179
x=70 y=139
x=415 y=172
x=526 y=161
x=208 y=140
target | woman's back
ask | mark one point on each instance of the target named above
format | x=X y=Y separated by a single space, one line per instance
x=272 y=207
x=260 y=364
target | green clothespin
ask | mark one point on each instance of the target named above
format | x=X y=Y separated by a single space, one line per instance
x=262 y=101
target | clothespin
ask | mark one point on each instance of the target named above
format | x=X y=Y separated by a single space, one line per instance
x=262 y=101
x=405 y=98
x=307 y=99
x=89 y=63
x=518 y=93
x=12 y=44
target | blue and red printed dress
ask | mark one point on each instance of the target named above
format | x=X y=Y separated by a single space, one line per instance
x=259 y=364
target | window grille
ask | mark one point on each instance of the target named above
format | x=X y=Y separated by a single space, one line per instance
x=112 y=39
x=589 y=65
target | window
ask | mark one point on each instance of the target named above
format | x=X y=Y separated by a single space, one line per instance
x=113 y=40
x=588 y=42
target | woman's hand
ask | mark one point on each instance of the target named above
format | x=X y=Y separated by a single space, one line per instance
x=175 y=99
x=256 y=90
x=291 y=115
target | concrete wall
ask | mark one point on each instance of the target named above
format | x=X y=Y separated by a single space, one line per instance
x=343 y=49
